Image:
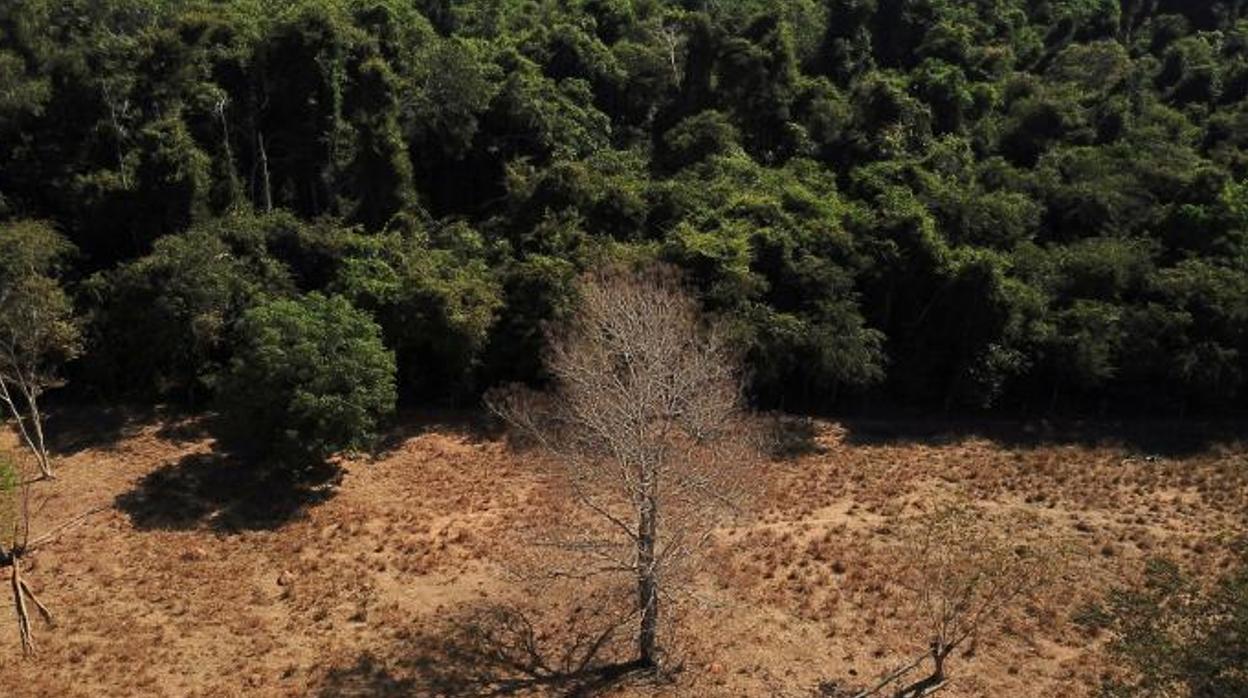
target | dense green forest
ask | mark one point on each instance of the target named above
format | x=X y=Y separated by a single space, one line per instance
x=1019 y=205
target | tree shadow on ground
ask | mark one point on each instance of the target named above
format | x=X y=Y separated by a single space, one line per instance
x=223 y=493
x=72 y=429
x=184 y=429
x=1164 y=438
x=489 y=651
x=476 y=426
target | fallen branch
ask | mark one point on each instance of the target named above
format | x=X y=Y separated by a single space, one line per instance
x=43 y=610
x=923 y=688
x=19 y=602
x=62 y=528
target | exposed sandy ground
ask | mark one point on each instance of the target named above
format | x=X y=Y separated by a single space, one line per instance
x=197 y=580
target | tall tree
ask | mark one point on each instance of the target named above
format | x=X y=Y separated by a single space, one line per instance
x=645 y=421
x=381 y=173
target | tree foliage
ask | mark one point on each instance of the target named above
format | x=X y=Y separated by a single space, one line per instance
x=187 y=294
x=310 y=377
x=39 y=330
x=964 y=205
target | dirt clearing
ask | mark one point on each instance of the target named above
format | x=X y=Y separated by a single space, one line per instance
x=200 y=579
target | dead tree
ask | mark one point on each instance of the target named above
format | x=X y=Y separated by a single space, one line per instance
x=670 y=35
x=17 y=545
x=645 y=424
x=964 y=573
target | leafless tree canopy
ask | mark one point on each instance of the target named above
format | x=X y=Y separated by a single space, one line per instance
x=646 y=424
x=965 y=574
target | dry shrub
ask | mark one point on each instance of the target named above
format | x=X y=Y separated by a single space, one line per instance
x=968 y=574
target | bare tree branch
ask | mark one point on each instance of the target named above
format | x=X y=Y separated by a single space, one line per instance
x=645 y=424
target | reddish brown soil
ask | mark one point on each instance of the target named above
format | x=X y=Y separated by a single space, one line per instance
x=198 y=579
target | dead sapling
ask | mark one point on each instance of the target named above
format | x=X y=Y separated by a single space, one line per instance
x=964 y=575
x=18 y=546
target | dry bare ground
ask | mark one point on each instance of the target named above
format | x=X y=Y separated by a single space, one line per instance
x=202 y=579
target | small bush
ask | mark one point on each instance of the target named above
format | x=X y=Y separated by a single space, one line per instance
x=310 y=377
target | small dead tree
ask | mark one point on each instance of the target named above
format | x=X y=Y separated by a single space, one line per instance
x=645 y=423
x=669 y=33
x=38 y=330
x=17 y=545
x=965 y=573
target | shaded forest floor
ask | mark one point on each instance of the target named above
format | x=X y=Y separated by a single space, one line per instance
x=203 y=579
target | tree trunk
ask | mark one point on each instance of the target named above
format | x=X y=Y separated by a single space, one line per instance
x=235 y=194
x=647 y=585
x=41 y=447
x=34 y=441
x=939 y=654
x=266 y=183
x=935 y=680
x=19 y=603
x=119 y=135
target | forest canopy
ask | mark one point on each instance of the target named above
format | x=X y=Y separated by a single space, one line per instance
x=941 y=204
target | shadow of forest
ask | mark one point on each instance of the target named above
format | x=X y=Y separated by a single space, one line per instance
x=1163 y=438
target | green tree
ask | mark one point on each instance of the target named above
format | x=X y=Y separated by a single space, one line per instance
x=38 y=328
x=758 y=74
x=771 y=250
x=838 y=176
x=699 y=137
x=301 y=135
x=436 y=300
x=381 y=173
x=310 y=377
x=186 y=296
x=537 y=292
x=171 y=180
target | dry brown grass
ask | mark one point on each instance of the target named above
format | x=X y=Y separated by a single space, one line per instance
x=380 y=589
